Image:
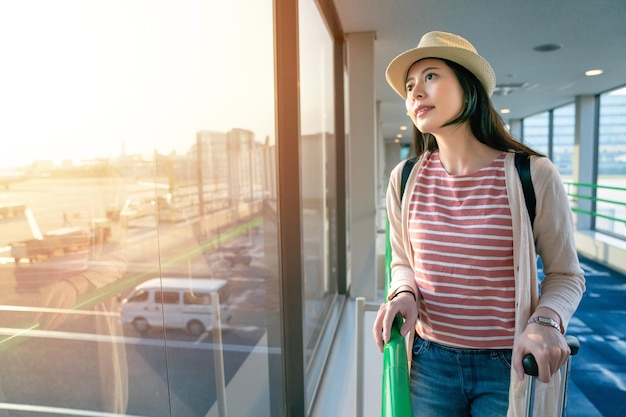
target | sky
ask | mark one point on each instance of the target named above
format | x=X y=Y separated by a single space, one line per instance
x=79 y=78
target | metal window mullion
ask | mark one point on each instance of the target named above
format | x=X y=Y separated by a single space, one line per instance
x=289 y=204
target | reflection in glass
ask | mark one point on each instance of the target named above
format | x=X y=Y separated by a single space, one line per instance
x=317 y=149
x=537 y=132
x=139 y=170
x=62 y=258
x=612 y=163
x=563 y=140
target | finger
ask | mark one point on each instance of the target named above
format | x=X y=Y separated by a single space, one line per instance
x=406 y=328
x=545 y=370
x=565 y=354
x=46 y=322
x=377 y=328
x=516 y=362
x=558 y=358
x=386 y=334
x=391 y=311
x=51 y=321
x=556 y=364
x=409 y=321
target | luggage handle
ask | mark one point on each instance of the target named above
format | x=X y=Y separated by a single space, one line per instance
x=531 y=368
x=530 y=364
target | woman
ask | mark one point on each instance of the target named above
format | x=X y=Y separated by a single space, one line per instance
x=464 y=273
x=61 y=359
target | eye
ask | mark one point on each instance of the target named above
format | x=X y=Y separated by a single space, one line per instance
x=409 y=88
x=429 y=76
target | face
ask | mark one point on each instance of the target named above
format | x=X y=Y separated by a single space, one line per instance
x=434 y=95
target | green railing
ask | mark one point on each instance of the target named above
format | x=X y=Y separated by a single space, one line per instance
x=396 y=400
x=602 y=198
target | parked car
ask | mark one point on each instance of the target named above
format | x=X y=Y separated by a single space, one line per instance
x=178 y=303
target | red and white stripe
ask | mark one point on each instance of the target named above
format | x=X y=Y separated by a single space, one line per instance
x=461 y=231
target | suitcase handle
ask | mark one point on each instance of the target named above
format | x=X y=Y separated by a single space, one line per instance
x=530 y=364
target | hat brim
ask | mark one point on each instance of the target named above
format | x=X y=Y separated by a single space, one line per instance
x=399 y=66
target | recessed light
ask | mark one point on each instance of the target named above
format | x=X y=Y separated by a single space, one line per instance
x=505 y=111
x=396 y=141
x=547 y=47
x=403 y=127
x=399 y=135
x=594 y=72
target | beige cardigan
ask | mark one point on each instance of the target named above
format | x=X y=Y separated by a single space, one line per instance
x=563 y=285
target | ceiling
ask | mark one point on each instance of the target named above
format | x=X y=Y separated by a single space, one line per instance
x=592 y=34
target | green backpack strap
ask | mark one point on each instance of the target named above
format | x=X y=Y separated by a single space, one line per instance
x=522 y=163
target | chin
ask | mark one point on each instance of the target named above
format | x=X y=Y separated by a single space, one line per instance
x=423 y=129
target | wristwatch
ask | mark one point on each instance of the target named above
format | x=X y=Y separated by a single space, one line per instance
x=545 y=321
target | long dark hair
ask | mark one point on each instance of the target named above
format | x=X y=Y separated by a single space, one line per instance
x=486 y=124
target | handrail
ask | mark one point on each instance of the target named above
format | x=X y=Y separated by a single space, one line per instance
x=587 y=185
x=396 y=400
x=361 y=307
x=596 y=214
x=396 y=390
x=602 y=200
x=575 y=196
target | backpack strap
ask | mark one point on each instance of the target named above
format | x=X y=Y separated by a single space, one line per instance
x=406 y=171
x=522 y=163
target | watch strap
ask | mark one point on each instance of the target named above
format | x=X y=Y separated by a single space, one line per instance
x=545 y=321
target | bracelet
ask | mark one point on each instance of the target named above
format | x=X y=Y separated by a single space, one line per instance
x=400 y=292
x=71 y=284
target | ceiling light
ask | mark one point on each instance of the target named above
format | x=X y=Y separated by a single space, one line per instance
x=508 y=88
x=399 y=135
x=547 y=47
x=505 y=111
x=403 y=127
x=593 y=72
x=396 y=141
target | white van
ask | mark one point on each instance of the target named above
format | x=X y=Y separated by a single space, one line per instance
x=179 y=303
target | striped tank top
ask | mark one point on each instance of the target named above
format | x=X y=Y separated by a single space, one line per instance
x=461 y=232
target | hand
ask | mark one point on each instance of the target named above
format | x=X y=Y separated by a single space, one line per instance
x=547 y=345
x=405 y=305
x=25 y=310
x=59 y=295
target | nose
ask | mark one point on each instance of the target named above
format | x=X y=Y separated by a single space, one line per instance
x=416 y=93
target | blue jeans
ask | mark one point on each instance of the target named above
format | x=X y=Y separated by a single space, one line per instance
x=454 y=382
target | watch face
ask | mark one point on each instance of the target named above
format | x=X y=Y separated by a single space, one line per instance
x=545 y=320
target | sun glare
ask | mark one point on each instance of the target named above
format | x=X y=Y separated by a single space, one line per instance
x=86 y=77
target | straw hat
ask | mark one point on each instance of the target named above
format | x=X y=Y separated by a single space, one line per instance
x=441 y=45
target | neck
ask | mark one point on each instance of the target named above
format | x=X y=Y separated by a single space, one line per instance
x=461 y=153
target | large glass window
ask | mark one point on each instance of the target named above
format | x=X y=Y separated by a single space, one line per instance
x=537 y=132
x=563 y=137
x=138 y=155
x=612 y=163
x=318 y=187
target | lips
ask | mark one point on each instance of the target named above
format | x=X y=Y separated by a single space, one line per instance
x=421 y=110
